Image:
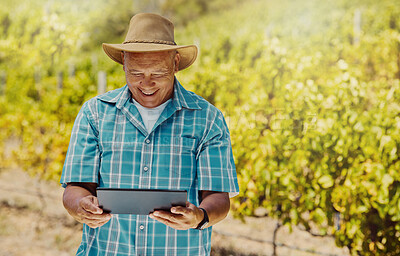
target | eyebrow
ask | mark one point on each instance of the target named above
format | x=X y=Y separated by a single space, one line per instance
x=134 y=70
x=156 y=71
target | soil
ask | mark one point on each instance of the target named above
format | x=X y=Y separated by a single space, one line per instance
x=33 y=221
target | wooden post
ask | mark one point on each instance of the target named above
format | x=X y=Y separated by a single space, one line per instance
x=71 y=69
x=37 y=75
x=60 y=81
x=46 y=8
x=147 y=6
x=3 y=81
x=336 y=220
x=136 y=5
x=274 y=238
x=398 y=60
x=268 y=30
x=357 y=27
x=94 y=63
x=101 y=82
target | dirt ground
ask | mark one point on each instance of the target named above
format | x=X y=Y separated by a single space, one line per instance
x=34 y=222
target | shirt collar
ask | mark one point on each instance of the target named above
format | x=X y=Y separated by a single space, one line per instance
x=118 y=96
x=181 y=98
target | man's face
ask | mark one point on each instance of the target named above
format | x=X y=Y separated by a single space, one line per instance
x=150 y=76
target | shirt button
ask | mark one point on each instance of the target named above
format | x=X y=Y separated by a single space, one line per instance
x=141 y=227
x=145 y=168
x=147 y=141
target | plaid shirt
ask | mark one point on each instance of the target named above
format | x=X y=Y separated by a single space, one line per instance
x=188 y=148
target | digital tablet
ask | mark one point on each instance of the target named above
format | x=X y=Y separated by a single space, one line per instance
x=139 y=201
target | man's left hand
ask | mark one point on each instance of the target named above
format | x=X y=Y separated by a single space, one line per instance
x=181 y=218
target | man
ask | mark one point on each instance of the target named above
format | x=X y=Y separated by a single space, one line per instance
x=149 y=134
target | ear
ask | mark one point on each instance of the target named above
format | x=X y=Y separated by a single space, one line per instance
x=177 y=59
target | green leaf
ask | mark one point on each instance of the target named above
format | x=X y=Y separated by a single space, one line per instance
x=326 y=181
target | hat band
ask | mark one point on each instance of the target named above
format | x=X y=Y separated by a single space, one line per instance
x=150 y=41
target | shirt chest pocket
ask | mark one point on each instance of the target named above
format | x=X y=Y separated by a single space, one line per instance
x=119 y=160
x=175 y=163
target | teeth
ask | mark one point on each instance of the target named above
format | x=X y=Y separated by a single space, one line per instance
x=147 y=93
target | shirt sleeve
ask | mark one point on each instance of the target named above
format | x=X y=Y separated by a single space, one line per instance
x=82 y=160
x=216 y=169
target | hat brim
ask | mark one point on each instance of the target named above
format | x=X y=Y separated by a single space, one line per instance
x=188 y=53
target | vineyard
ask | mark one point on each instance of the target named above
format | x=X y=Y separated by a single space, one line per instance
x=310 y=90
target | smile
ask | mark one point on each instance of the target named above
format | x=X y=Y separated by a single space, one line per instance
x=148 y=93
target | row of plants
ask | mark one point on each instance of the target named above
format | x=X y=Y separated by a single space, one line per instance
x=313 y=107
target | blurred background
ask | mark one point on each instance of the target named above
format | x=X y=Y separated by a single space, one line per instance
x=310 y=90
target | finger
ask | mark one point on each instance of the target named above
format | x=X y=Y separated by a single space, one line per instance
x=96 y=222
x=161 y=219
x=167 y=216
x=191 y=206
x=86 y=214
x=161 y=214
x=89 y=205
x=183 y=210
x=180 y=210
x=188 y=210
x=93 y=224
x=95 y=201
x=175 y=225
x=96 y=217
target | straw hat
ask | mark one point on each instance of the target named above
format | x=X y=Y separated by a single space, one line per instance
x=150 y=32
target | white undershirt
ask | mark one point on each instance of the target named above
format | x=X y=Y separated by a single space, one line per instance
x=150 y=115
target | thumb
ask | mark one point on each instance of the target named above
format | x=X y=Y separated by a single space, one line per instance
x=191 y=206
x=91 y=204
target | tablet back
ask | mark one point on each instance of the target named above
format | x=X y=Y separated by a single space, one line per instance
x=139 y=201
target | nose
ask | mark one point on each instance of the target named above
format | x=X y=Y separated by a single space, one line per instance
x=147 y=79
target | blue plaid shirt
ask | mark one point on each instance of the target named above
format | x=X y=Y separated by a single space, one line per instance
x=188 y=148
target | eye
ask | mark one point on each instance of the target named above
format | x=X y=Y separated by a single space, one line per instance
x=136 y=74
x=159 y=75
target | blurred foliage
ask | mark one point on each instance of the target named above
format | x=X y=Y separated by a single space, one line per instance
x=313 y=105
x=181 y=12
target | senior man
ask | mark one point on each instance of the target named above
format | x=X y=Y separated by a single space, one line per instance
x=149 y=134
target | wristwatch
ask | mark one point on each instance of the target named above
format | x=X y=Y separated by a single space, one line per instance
x=204 y=222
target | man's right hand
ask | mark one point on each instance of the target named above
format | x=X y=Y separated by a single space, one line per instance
x=83 y=206
x=90 y=213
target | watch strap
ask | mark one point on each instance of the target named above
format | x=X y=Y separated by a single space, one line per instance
x=205 y=220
